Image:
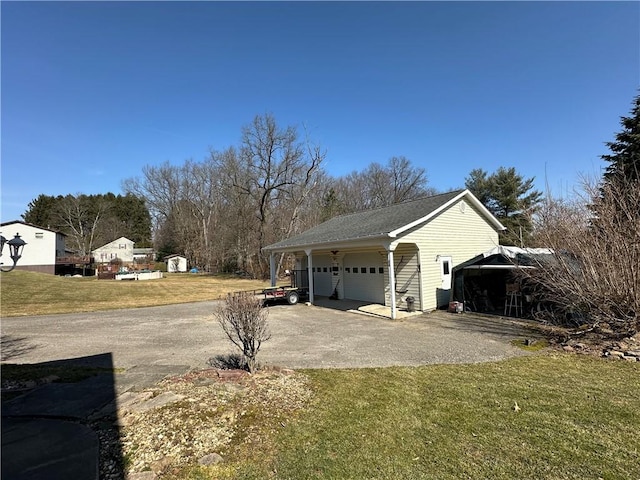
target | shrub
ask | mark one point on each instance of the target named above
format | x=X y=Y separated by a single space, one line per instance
x=244 y=321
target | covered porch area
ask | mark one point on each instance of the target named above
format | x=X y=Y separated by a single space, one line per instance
x=363 y=308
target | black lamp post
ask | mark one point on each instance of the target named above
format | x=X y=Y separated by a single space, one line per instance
x=16 y=245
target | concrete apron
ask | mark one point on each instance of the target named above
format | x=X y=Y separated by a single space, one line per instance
x=363 y=308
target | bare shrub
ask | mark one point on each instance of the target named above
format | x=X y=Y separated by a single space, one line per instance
x=244 y=320
x=593 y=275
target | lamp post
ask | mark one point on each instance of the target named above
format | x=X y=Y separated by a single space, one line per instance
x=16 y=245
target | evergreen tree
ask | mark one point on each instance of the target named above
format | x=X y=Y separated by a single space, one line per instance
x=624 y=159
x=508 y=196
x=101 y=217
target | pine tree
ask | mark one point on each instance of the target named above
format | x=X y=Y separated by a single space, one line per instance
x=510 y=197
x=625 y=157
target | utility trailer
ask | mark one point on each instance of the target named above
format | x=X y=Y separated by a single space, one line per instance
x=298 y=289
x=291 y=294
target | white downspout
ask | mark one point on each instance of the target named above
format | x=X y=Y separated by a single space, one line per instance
x=310 y=273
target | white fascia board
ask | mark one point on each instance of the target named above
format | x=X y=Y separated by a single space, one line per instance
x=472 y=199
x=375 y=241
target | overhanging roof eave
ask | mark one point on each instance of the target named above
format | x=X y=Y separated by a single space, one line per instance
x=371 y=241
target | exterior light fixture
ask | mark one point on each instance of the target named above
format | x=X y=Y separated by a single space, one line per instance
x=16 y=245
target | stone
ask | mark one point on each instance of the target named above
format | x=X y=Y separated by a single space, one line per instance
x=580 y=346
x=159 y=466
x=630 y=358
x=231 y=374
x=141 y=476
x=633 y=353
x=568 y=348
x=211 y=459
x=616 y=353
x=156 y=402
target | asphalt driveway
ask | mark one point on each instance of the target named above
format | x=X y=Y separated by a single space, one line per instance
x=302 y=337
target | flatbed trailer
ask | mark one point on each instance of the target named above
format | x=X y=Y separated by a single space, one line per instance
x=292 y=295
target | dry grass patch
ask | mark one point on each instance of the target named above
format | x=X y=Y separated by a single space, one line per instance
x=29 y=293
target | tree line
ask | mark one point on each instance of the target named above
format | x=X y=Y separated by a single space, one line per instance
x=90 y=221
x=220 y=212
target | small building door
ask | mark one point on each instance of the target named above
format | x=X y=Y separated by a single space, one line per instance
x=445 y=272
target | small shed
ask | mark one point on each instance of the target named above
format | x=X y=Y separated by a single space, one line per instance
x=176 y=263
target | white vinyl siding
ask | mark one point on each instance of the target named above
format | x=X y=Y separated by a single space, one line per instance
x=407 y=273
x=461 y=233
x=367 y=283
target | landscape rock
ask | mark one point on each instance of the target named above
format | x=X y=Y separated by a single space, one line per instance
x=159 y=466
x=142 y=476
x=156 y=402
x=568 y=348
x=633 y=353
x=231 y=375
x=630 y=358
x=615 y=353
x=211 y=459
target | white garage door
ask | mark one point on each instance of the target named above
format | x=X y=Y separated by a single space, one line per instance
x=322 y=276
x=364 y=277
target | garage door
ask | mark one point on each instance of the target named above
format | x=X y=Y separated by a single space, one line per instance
x=322 y=276
x=364 y=277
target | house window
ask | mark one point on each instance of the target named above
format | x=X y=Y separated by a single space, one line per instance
x=122 y=246
x=347 y=269
x=363 y=269
x=324 y=269
x=446 y=267
x=39 y=235
x=381 y=270
x=372 y=269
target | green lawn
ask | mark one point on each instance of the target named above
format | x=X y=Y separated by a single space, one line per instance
x=578 y=419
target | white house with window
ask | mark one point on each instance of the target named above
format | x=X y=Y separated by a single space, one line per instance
x=43 y=247
x=120 y=249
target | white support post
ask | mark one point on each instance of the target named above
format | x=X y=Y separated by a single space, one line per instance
x=272 y=269
x=310 y=272
x=392 y=283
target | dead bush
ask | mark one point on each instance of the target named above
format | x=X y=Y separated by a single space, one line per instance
x=244 y=321
x=592 y=280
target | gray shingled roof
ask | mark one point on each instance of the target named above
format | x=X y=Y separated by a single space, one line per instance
x=367 y=224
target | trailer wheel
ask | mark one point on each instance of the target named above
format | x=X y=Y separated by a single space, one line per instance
x=293 y=298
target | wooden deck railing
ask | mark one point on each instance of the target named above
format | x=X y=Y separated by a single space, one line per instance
x=75 y=260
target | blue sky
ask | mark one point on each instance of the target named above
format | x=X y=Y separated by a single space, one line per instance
x=93 y=91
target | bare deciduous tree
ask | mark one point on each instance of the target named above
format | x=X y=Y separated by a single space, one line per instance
x=244 y=321
x=593 y=277
x=381 y=185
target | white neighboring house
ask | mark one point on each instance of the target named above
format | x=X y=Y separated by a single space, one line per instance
x=43 y=246
x=176 y=263
x=121 y=249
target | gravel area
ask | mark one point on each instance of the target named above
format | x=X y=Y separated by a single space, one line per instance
x=302 y=337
